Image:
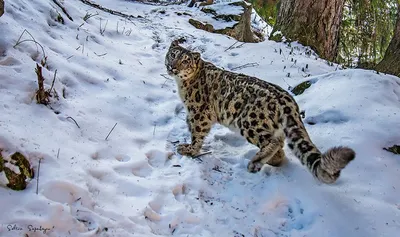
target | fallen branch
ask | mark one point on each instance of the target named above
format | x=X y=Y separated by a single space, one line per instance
x=160 y=3
x=63 y=9
x=117 y=13
x=245 y=66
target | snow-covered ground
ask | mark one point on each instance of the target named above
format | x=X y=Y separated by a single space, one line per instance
x=132 y=184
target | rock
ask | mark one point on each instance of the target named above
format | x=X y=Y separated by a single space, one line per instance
x=300 y=88
x=395 y=149
x=276 y=36
x=232 y=19
x=202 y=26
x=203 y=2
x=1 y=7
x=15 y=171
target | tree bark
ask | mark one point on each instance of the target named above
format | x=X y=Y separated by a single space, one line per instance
x=314 y=23
x=1 y=7
x=391 y=61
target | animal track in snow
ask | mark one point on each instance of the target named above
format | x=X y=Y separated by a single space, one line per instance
x=98 y=174
x=122 y=158
x=129 y=187
x=329 y=116
x=10 y=61
x=296 y=217
x=158 y=159
x=141 y=169
x=178 y=191
x=165 y=221
x=64 y=192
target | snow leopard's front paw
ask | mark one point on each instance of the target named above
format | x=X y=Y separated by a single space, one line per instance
x=254 y=167
x=186 y=150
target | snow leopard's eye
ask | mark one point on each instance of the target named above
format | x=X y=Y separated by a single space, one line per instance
x=185 y=62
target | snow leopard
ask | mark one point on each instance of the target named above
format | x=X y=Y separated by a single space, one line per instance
x=264 y=113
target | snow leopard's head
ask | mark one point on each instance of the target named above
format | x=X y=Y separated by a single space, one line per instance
x=182 y=63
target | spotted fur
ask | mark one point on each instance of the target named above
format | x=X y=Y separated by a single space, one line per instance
x=264 y=113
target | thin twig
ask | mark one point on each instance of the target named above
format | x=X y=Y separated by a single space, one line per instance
x=28 y=40
x=165 y=82
x=80 y=26
x=88 y=16
x=101 y=29
x=54 y=79
x=100 y=55
x=111 y=131
x=74 y=121
x=202 y=154
x=58 y=153
x=240 y=45
x=231 y=47
x=154 y=130
x=63 y=9
x=37 y=183
x=289 y=86
x=165 y=76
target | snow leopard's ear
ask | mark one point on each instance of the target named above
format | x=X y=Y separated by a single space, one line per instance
x=175 y=43
x=178 y=41
x=196 y=56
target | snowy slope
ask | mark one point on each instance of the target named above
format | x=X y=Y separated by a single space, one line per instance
x=132 y=184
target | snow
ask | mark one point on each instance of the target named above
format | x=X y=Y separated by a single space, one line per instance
x=132 y=184
x=224 y=9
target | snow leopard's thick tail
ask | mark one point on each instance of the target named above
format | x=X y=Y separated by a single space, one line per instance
x=325 y=167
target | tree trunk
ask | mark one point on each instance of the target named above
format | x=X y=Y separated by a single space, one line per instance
x=241 y=30
x=314 y=23
x=1 y=7
x=390 y=63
